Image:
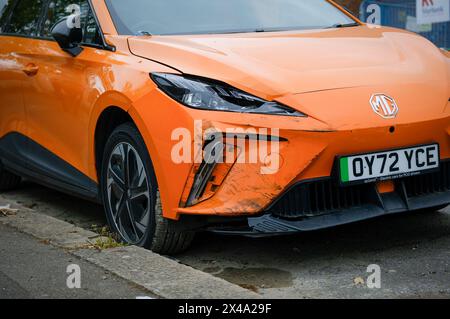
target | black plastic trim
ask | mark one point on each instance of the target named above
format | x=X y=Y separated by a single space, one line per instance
x=268 y=224
x=290 y=188
x=25 y=157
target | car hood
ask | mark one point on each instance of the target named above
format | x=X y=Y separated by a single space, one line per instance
x=298 y=62
x=275 y=65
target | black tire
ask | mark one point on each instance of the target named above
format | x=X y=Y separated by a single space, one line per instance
x=8 y=181
x=138 y=221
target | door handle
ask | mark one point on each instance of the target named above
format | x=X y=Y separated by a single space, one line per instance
x=31 y=69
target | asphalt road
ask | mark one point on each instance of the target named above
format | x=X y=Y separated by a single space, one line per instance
x=30 y=269
x=412 y=251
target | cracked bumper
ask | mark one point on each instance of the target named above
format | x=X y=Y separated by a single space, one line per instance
x=310 y=155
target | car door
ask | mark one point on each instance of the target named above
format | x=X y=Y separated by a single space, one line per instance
x=12 y=76
x=18 y=24
x=60 y=96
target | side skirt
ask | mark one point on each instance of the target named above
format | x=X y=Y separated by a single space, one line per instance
x=23 y=156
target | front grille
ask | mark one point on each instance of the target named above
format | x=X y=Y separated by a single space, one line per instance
x=429 y=183
x=320 y=197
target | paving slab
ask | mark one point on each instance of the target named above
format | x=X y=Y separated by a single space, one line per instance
x=163 y=276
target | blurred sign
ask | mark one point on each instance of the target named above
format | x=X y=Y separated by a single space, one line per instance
x=432 y=11
x=412 y=25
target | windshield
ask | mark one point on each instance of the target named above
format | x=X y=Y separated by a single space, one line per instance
x=167 y=17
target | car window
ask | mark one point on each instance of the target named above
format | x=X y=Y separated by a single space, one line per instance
x=60 y=9
x=25 y=18
x=5 y=10
x=91 y=31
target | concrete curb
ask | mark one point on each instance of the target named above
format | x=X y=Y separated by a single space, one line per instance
x=160 y=275
x=163 y=276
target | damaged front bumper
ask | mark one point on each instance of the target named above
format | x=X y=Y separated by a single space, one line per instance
x=317 y=204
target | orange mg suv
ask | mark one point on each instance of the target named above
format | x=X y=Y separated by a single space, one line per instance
x=243 y=117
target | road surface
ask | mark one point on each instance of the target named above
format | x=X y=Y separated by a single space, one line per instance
x=412 y=251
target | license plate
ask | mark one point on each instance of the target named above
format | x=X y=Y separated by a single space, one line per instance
x=393 y=164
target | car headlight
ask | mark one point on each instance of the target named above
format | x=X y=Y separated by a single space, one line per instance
x=205 y=94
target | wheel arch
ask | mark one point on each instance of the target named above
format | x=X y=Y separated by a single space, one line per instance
x=110 y=112
x=108 y=121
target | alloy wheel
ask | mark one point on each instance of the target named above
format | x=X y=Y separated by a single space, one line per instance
x=128 y=191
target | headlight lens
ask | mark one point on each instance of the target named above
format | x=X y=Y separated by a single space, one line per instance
x=207 y=94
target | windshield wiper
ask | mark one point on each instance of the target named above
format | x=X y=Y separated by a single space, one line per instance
x=343 y=25
x=146 y=33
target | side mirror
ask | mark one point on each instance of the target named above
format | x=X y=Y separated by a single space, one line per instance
x=68 y=37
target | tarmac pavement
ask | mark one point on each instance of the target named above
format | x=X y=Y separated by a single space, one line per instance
x=411 y=250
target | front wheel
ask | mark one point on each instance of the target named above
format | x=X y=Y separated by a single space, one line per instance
x=131 y=196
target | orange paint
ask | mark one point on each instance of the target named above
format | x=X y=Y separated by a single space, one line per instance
x=330 y=75
x=386 y=187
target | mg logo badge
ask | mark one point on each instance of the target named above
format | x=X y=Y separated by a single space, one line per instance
x=384 y=106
